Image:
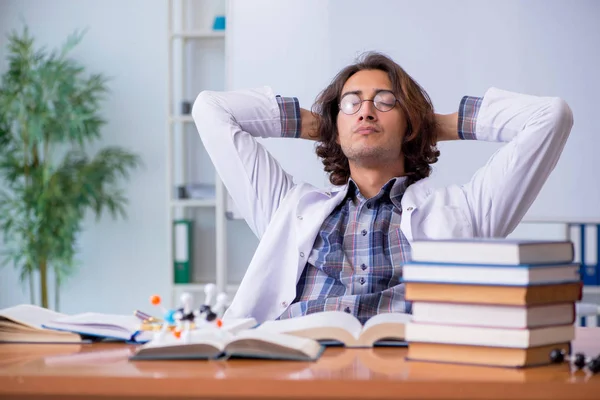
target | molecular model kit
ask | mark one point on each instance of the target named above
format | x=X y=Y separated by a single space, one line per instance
x=186 y=321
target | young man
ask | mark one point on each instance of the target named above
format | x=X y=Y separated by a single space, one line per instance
x=377 y=132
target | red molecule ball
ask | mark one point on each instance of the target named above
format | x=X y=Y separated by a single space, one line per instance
x=155 y=300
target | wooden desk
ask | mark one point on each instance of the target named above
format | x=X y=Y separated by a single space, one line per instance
x=103 y=371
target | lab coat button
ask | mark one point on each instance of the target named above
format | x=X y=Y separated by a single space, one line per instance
x=300 y=217
x=284 y=304
x=301 y=254
x=409 y=209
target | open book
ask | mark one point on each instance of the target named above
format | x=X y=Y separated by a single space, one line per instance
x=332 y=327
x=102 y=326
x=24 y=324
x=29 y=323
x=122 y=327
x=213 y=344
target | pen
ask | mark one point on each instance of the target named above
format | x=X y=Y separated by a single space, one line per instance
x=143 y=316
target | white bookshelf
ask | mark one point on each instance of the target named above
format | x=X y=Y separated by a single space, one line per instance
x=197 y=60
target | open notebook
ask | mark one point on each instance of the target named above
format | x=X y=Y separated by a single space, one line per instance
x=338 y=327
x=221 y=344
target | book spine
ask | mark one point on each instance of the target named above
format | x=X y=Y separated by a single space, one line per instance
x=182 y=251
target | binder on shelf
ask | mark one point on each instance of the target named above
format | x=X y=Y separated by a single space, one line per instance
x=182 y=250
x=590 y=271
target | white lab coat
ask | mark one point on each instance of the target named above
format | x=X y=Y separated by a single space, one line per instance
x=286 y=217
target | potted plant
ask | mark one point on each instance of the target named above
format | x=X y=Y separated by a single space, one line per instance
x=50 y=112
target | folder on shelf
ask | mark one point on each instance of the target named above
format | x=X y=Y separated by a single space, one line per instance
x=182 y=250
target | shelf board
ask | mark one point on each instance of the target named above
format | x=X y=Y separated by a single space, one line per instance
x=194 y=203
x=201 y=34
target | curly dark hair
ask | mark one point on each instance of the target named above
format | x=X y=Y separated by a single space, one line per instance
x=419 y=146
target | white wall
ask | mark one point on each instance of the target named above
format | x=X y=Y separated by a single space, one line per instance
x=123 y=262
x=452 y=48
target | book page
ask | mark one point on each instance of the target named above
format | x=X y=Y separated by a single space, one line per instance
x=325 y=319
x=272 y=345
x=216 y=339
x=30 y=315
x=387 y=318
x=238 y=324
x=387 y=327
x=127 y=323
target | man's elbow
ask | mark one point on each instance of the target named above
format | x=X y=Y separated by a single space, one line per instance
x=562 y=116
x=202 y=106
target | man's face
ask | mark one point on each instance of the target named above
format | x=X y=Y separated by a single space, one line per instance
x=370 y=136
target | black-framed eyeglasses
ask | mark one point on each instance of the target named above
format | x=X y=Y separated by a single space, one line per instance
x=383 y=101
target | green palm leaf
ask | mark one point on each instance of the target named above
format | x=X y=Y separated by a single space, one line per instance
x=50 y=111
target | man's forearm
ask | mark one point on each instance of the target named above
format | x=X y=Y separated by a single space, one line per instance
x=309 y=125
x=447 y=126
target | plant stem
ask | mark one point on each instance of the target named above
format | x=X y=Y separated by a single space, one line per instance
x=44 y=283
x=56 y=290
x=31 y=288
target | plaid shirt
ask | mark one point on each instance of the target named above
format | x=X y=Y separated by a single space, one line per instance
x=356 y=261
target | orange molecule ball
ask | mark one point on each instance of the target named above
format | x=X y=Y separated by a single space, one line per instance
x=219 y=323
x=155 y=300
x=177 y=334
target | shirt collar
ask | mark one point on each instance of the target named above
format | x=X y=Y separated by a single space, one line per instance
x=393 y=189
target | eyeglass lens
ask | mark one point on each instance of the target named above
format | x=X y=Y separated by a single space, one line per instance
x=383 y=101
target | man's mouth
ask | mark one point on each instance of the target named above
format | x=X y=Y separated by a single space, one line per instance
x=365 y=130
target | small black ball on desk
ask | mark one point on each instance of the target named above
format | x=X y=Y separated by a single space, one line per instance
x=594 y=365
x=579 y=360
x=557 y=356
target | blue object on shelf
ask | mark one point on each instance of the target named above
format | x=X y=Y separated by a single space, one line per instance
x=219 y=24
x=590 y=273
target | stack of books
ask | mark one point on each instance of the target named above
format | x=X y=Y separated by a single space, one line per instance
x=490 y=301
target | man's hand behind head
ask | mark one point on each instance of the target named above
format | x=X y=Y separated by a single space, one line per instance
x=310 y=125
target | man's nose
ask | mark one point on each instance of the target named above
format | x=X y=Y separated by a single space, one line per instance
x=367 y=111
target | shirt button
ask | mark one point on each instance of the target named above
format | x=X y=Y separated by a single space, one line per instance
x=369 y=205
x=363 y=267
x=347 y=309
x=362 y=281
x=364 y=232
x=301 y=254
